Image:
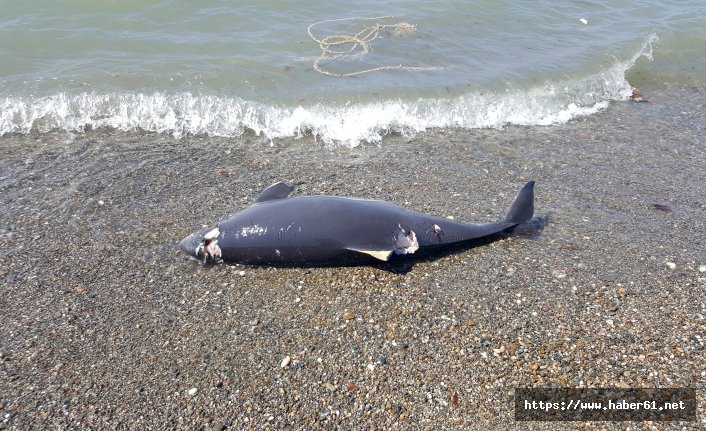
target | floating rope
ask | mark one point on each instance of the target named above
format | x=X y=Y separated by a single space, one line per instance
x=354 y=47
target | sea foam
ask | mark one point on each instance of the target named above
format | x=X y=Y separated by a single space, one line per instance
x=185 y=113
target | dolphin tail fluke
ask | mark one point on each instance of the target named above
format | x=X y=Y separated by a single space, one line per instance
x=522 y=207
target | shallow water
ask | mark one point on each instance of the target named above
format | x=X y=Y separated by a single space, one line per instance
x=221 y=69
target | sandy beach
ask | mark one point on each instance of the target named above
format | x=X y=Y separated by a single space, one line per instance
x=107 y=325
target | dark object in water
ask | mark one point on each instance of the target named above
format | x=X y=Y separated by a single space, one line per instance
x=662 y=207
x=637 y=95
x=331 y=230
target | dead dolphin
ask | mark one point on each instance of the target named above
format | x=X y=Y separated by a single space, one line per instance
x=329 y=230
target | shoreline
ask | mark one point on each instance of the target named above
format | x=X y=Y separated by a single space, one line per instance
x=108 y=324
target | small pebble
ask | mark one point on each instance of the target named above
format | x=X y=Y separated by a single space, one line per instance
x=558 y=274
x=101 y=203
x=285 y=362
x=192 y=391
x=702 y=268
x=349 y=315
x=241 y=273
x=671 y=265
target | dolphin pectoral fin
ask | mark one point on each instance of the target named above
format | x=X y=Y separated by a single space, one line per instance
x=383 y=255
x=278 y=190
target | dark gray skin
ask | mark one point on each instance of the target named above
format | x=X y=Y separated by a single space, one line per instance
x=336 y=231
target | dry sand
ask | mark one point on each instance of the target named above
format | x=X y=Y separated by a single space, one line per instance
x=107 y=325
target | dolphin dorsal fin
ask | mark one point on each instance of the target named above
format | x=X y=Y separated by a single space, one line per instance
x=277 y=190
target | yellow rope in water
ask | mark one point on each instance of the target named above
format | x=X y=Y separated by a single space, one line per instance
x=334 y=47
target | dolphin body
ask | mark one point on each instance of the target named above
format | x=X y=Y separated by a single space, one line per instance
x=335 y=231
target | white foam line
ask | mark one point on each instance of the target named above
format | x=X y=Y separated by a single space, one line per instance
x=184 y=113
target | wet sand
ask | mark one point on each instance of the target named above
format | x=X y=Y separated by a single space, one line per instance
x=107 y=325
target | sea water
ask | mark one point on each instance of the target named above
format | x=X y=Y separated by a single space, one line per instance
x=221 y=68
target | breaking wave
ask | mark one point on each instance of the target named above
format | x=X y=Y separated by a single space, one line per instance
x=188 y=114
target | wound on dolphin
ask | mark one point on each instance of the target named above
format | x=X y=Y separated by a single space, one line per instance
x=278 y=230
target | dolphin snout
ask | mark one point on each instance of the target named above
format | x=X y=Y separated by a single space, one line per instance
x=202 y=245
x=191 y=243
